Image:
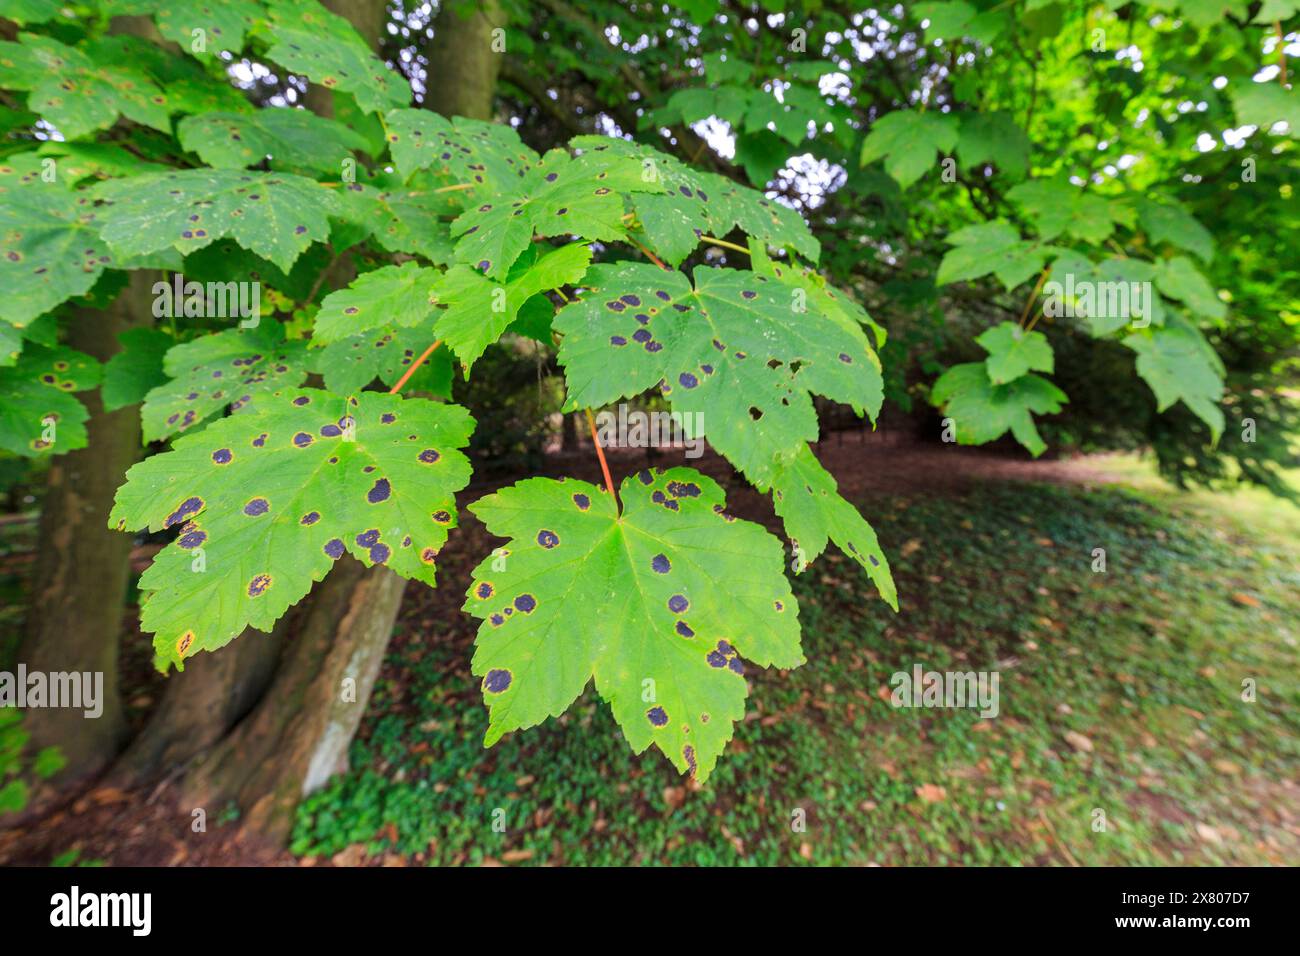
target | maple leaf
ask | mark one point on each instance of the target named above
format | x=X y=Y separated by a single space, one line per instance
x=630 y=600
x=733 y=347
x=276 y=215
x=267 y=501
x=290 y=137
x=983 y=411
x=39 y=416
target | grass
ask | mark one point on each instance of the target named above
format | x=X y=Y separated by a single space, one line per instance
x=1141 y=666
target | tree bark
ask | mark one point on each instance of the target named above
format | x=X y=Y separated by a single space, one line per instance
x=298 y=736
x=463 y=66
x=79 y=583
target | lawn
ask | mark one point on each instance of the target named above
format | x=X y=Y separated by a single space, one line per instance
x=1122 y=735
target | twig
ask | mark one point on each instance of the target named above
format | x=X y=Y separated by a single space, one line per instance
x=600 y=453
x=414 y=365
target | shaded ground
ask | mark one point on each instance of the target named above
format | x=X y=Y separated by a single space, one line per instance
x=1120 y=693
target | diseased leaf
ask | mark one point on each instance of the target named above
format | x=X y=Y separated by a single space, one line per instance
x=402 y=219
x=39 y=415
x=50 y=250
x=352 y=363
x=732 y=348
x=292 y=138
x=479 y=310
x=489 y=157
x=632 y=601
x=230 y=368
x=338 y=62
x=806 y=498
x=276 y=215
x=223 y=22
x=267 y=501
x=392 y=295
x=560 y=196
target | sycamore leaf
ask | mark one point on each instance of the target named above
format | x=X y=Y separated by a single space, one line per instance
x=489 y=156
x=910 y=142
x=687 y=203
x=1178 y=278
x=825 y=299
x=401 y=219
x=560 y=196
x=50 y=250
x=479 y=310
x=74 y=92
x=223 y=23
x=993 y=138
x=136 y=369
x=806 y=497
x=350 y=364
x=23 y=12
x=656 y=604
x=991 y=247
x=1058 y=207
x=393 y=295
x=267 y=501
x=211 y=372
x=734 y=349
x=39 y=416
x=1178 y=363
x=983 y=411
x=1013 y=352
x=290 y=137
x=276 y=215
x=339 y=62
x=955 y=20
x=1170 y=222
x=1109 y=295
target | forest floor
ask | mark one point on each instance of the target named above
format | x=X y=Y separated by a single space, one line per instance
x=1121 y=738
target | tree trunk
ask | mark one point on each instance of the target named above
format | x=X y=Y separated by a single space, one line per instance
x=79 y=583
x=463 y=63
x=298 y=736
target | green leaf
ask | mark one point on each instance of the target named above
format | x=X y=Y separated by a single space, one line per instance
x=136 y=369
x=733 y=348
x=635 y=601
x=224 y=24
x=75 y=93
x=386 y=353
x=992 y=247
x=48 y=762
x=49 y=250
x=13 y=796
x=688 y=202
x=983 y=411
x=276 y=215
x=806 y=498
x=479 y=310
x=291 y=137
x=1169 y=222
x=1013 y=352
x=339 y=63
x=910 y=142
x=1178 y=363
x=1179 y=279
x=393 y=295
x=39 y=416
x=489 y=156
x=401 y=219
x=560 y=196
x=993 y=138
x=955 y=20
x=1058 y=207
x=211 y=372
x=23 y=12
x=274 y=496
